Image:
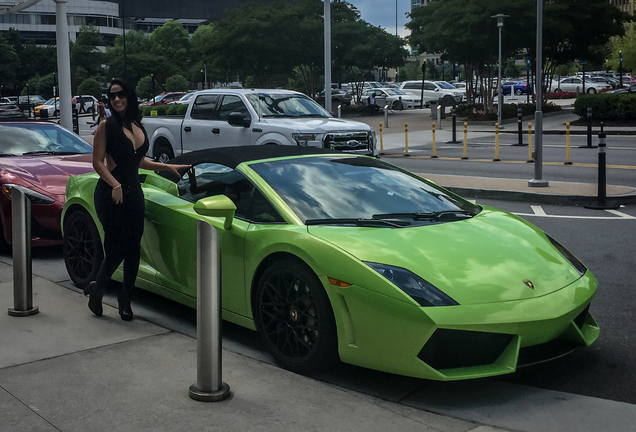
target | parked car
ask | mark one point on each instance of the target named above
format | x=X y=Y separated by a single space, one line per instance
x=164 y=99
x=575 y=84
x=338 y=96
x=239 y=117
x=90 y=103
x=341 y=257
x=38 y=158
x=394 y=98
x=515 y=87
x=50 y=108
x=184 y=100
x=432 y=92
x=628 y=89
x=10 y=110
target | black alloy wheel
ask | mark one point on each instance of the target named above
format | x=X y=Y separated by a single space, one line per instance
x=82 y=248
x=294 y=317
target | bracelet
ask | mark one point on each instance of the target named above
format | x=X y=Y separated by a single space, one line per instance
x=117 y=187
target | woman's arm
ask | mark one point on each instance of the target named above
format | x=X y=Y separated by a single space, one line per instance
x=99 y=156
x=158 y=166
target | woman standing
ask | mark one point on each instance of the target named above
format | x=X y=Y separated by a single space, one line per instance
x=120 y=146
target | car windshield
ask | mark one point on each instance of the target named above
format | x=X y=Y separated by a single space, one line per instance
x=50 y=101
x=394 y=92
x=444 y=84
x=344 y=188
x=285 y=105
x=18 y=139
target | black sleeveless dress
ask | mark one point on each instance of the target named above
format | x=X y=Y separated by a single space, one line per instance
x=123 y=223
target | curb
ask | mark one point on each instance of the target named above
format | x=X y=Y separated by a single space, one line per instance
x=578 y=200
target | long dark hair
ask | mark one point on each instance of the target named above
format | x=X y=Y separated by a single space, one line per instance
x=132 y=114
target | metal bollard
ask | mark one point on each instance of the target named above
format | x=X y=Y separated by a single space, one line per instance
x=434 y=156
x=589 y=127
x=601 y=203
x=439 y=117
x=386 y=117
x=209 y=386
x=465 y=141
x=519 y=125
x=454 y=120
x=496 y=159
x=381 y=141
x=340 y=111
x=530 y=158
x=567 y=144
x=22 y=270
x=406 y=139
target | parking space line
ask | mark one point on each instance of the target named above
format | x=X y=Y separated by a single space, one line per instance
x=538 y=210
x=621 y=214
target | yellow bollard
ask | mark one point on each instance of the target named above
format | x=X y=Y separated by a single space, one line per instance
x=434 y=145
x=530 y=160
x=406 y=139
x=496 y=159
x=465 y=140
x=567 y=144
x=381 y=142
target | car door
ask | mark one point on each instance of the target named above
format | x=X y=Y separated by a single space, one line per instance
x=170 y=232
x=196 y=129
x=430 y=92
x=225 y=134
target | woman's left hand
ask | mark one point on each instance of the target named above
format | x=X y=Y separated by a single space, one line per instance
x=175 y=168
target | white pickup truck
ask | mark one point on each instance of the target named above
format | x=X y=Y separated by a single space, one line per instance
x=238 y=117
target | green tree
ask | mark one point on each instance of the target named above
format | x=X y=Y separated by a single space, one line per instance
x=511 y=70
x=84 y=51
x=140 y=61
x=9 y=61
x=177 y=83
x=434 y=29
x=90 y=86
x=626 y=45
x=172 y=41
x=146 y=89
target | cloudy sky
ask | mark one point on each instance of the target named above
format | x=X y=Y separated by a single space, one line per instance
x=382 y=13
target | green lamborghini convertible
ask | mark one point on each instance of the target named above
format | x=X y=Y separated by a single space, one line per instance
x=333 y=256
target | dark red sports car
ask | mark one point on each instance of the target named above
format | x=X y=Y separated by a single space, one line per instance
x=38 y=158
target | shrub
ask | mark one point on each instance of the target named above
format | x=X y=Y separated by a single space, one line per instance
x=608 y=106
x=176 y=83
x=90 y=86
x=475 y=111
x=176 y=110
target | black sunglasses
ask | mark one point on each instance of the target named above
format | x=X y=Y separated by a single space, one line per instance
x=120 y=94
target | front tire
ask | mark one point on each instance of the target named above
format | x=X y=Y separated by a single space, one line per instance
x=82 y=248
x=397 y=105
x=591 y=90
x=293 y=315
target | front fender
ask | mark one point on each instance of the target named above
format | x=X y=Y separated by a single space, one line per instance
x=274 y=138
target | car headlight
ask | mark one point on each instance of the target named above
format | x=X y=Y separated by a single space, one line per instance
x=302 y=138
x=423 y=292
x=578 y=265
x=34 y=197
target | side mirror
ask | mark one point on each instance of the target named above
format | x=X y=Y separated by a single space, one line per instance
x=217 y=206
x=236 y=119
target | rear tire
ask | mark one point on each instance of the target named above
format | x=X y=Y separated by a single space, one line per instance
x=294 y=317
x=591 y=90
x=164 y=154
x=82 y=248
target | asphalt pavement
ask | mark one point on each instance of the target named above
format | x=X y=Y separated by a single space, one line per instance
x=64 y=369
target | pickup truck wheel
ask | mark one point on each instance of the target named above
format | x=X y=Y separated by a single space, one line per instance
x=164 y=154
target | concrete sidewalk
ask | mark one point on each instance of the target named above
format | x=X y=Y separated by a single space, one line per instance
x=67 y=370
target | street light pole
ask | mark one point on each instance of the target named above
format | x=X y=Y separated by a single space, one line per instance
x=500 y=23
x=327 y=25
x=620 y=67
x=538 y=114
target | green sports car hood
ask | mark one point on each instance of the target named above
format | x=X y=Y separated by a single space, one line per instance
x=486 y=259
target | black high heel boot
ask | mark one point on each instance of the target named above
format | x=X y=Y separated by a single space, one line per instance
x=125 y=311
x=95 y=299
